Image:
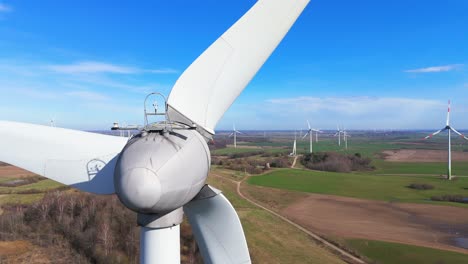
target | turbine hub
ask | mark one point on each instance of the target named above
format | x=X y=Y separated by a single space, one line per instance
x=159 y=172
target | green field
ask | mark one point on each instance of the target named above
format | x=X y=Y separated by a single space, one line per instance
x=270 y=239
x=360 y=185
x=27 y=194
x=431 y=168
x=240 y=149
x=391 y=253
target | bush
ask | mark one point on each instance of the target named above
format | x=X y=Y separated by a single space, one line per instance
x=457 y=198
x=335 y=162
x=421 y=186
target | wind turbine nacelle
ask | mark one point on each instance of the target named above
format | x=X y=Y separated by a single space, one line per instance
x=160 y=172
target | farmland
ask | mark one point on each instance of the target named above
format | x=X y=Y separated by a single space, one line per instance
x=371 y=210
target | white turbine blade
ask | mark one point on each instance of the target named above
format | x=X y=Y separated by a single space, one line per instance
x=448 y=113
x=460 y=134
x=308 y=124
x=231 y=134
x=210 y=85
x=435 y=133
x=238 y=132
x=306 y=134
x=80 y=159
x=217 y=230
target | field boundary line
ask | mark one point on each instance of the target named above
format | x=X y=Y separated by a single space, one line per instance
x=325 y=242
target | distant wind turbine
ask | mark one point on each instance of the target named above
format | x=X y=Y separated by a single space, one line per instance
x=294 y=152
x=338 y=133
x=449 y=129
x=309 y=132
x=345 y=138
x=52 y=121
x=234 y=133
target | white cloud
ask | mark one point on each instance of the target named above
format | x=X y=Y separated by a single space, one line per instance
x=88 y=95
x=444 y=68
x=354 y=112
x=91 y=67
x=102 y=67
x=5 y=8
x=354 y=105
x=163 y=71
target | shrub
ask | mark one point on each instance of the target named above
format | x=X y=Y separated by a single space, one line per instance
x=457 y=198
x=421 y=186
x=331 y=161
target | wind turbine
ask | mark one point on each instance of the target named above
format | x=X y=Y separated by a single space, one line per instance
x=234 y=133
x=338 y=133
x=52 y=121
x=317 y=131
x=309 y=132
x=345 y=138
x=449 y=128
x=294 y=152
x=161 y=172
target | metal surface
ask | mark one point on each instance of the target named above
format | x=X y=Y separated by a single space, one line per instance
x=161 y=220
x=160 y=245
x=80 y=159
x=159 y=172
x=218 y=230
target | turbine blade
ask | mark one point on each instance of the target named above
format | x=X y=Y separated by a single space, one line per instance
x=460 y=134
x=305 y=135
x=217 y=228
x=80 y=159
x=308 y=124
x=210 y=85
x=433 y=134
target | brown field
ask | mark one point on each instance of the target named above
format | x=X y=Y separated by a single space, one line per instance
x=417 y=224
x=21 y=251
x=14 y=172
x=422 y=155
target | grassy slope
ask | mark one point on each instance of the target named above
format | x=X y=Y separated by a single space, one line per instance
x=366 y=186
x=390 y=253
x=270 y=239
x=10 y=195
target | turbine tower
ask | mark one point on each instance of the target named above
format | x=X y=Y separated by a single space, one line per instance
x=345 y=138
x=309 y=132
x=160 y=173
x=294 y=152
x=234 y=134
x=449 y=128
x=338 y=133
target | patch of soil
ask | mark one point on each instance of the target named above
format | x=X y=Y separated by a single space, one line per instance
x=21 y=251
x=416 y=224
x=422 y=155
x=10 y=171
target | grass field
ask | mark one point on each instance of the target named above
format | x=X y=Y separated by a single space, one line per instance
x=240 y=149
x=431 y=168
x=366 y=186
x=19 y=195
x=270 y=239
x=391 y=253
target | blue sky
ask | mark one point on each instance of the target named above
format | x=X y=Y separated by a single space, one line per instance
x=362 y=64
